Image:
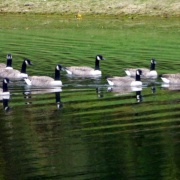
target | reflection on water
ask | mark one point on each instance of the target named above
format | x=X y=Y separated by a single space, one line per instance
x=28 y=94
x=98 y=132
x=5 y=104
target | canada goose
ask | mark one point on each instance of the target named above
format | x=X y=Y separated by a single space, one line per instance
x=171 y=78
x=15 y=74
x=8 y=64
x=84 y=70
x=146 y=73
x=4 y=90
x=126 y=81
x=45 y=81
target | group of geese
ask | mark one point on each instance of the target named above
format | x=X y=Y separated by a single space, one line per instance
x=133 y=77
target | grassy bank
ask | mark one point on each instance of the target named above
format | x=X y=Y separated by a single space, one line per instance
x=93 y=7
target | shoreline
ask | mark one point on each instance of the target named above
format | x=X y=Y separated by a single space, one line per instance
x=89 y=8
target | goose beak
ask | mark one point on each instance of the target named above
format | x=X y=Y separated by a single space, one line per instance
x=63 y=68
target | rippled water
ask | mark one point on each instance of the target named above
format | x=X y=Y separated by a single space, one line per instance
x=86 y=129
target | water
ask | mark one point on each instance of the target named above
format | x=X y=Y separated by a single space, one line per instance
x=86 y=129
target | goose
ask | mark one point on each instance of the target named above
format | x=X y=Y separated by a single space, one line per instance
x=126 y=81
x=84 y=70
x=45 y=81
x=15 y=74
x=8 y=64
x=171 y=78
x=146 y=73
x=4 y=90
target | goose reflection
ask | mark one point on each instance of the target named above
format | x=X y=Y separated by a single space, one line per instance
x=5 y=105
x=123 y=90
x=127 y=90
x=99 y=92
x=171 y=87
x=139 y=98
x=153 y=89
x=28 y=93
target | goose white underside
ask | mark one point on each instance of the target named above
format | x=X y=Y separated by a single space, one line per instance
x=4 y=95
x=152 y=74
x=136 y=83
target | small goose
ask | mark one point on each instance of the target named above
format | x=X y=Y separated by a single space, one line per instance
x=84 y=70
x=126 y=81
x=8 y=64
x=146 y=73
x=45 y=81
x=171 y=78
x=4 y=90
x=15 y=74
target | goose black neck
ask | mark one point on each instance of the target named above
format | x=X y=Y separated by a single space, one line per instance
x=23 y=69
x=5 y=103
x=152 y=66
x=138 y=96
x=97 y=65
x=57 y=74
x=9 y=63
x=5 y=87
x=138 y=77
x=58 y=100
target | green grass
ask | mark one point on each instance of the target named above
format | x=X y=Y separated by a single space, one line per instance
x=113 y=7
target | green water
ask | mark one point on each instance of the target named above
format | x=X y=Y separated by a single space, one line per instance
x=95 y=133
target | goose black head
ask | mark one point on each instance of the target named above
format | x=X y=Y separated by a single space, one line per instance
x=139 y=72
x=9 y=56
x=58 y=67
x=99 y=57
x=153 y=61
x=28 y=62
x=6 y=80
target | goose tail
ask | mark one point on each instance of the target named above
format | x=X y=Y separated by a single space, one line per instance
x=67 y=70
x=110 y=82
x=128 y=73
x=165 y=80
x=28 y=82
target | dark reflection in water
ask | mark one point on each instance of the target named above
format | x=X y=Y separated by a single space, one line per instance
x=5 y=104
x=96 y=133
x=28 y=95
